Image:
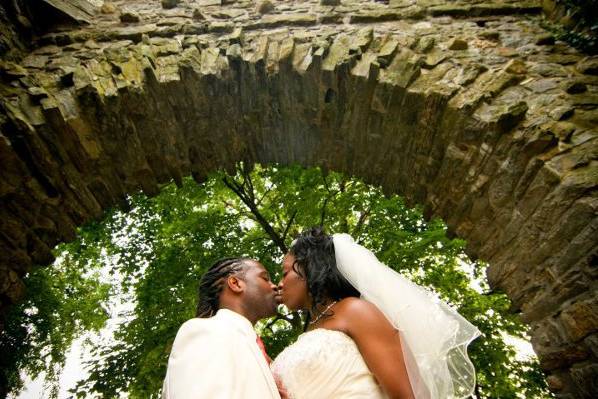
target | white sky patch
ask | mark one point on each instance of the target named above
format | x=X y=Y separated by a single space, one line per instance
x=467 y=266
x=268 y=183
x=120 y=308
x=200 y=208
x=78 y=354
x=525 y=351
x=247 y=224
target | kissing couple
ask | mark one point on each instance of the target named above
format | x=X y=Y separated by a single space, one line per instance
x=369 y=332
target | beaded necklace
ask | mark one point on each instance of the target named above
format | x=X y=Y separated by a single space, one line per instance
x=322 y=314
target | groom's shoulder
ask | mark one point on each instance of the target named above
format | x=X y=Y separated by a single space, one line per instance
x=200 y=335
x=207 y=324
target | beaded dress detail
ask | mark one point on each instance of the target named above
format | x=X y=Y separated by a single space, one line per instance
x=325 y=364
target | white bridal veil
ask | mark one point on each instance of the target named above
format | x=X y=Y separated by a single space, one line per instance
x=434 y=336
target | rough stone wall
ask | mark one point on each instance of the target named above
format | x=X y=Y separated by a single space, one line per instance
x=467 y=107
x=14 y=28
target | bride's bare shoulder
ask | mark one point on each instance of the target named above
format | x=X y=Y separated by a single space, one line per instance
x=353 y=306
x=357 y=313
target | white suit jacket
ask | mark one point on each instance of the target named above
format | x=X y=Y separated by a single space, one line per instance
x=218 y=358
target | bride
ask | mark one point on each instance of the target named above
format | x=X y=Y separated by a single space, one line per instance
x=370 y=333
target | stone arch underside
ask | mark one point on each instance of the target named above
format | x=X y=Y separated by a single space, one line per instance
x=471 y=110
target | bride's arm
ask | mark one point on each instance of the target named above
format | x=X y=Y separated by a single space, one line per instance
x=379 y=343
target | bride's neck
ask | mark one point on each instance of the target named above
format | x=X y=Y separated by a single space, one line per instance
x=321 y=311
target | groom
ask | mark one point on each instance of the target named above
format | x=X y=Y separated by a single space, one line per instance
x=218 y=354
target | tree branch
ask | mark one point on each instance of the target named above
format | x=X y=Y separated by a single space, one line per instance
x=249 y=200
x=246 y=173
x=326 y=200
x=344 y=221
x=323 y=213
x=259 y=201
x=286 y=230
x=362 y=218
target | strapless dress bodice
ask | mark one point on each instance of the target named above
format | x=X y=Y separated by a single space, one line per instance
x=325 y=364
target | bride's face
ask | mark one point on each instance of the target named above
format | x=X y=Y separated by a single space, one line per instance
x=293 y=286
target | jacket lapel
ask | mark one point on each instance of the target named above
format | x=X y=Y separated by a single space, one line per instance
x=264 y=368
x=243 y=325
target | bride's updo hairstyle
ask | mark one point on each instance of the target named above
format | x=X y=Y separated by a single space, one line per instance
x=315 y=261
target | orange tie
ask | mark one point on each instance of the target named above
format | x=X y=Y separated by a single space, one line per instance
x=260 y=343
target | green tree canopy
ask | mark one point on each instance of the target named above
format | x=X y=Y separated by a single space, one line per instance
x=159 y=249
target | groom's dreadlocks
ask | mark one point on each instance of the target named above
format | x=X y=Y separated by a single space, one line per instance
x=211 y=284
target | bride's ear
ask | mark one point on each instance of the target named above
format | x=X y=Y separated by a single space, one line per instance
x=235 y=284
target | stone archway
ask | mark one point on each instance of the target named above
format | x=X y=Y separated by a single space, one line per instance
x=470 y=109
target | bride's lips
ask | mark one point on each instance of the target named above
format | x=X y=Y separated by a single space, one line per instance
x=278 y=297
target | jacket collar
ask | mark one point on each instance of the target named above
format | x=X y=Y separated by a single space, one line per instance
x=240 y=322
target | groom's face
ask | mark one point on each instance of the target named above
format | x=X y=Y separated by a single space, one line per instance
x=260 y=293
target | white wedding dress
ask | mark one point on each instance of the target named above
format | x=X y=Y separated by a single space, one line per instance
x=325 y=364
